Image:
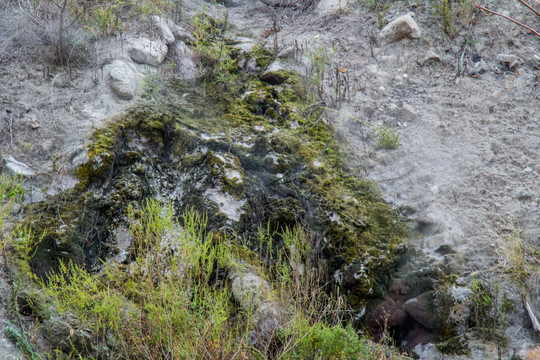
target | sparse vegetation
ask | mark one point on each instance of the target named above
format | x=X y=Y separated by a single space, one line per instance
x=173 y=300
x=488 y=12
x=386 y=138
x=490 y=309
x=320 y=61
x=151 y=84
x=69 y=29
x=453 y=14
x=515 y=255
x=380 y=7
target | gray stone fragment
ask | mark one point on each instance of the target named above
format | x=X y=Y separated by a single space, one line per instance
x=122 y=244
x=328 y=6
x=286 y=52
x=16 y=167
x=249 y=66
x=124 y=80
x=163 y=29
x=245 y=45
x=67 y=332
x=33 y=122
x=510 y=60
x=427 y=351
x=407 y=113
x=430 y=57
x=186 y=67
x=145 y=51
x=180 y=33
x=402 y=27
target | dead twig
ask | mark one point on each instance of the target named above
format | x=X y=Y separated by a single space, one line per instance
x=489 y=12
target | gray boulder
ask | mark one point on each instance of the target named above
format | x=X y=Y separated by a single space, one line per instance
x=186 y=67
x=124 y=80
x=146 y=51
x=402 y=27
x=255 y=293
x=387 y=313
x=279 y=71
x=179 y=32
x=67 y=332
x=422 y=309
x=164 y=30
x=510 y=60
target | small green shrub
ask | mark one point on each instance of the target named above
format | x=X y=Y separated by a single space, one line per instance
x=11 y=192
x=319 y=61
x=489 y=310
x=169 y=304
x=151 y=85
x=320 y=341
x=172 y=302
x=215 y=61
x=386 y=138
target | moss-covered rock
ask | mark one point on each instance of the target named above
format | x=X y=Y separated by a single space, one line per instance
x=264 y=160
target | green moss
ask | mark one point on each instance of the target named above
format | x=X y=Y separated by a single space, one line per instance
x=227 y=169
x=454 y=346
x=365 y=228
x=243 y=254
x=276 y=77
x=262 y=56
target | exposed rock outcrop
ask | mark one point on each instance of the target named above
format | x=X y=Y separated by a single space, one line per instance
x=185 y=65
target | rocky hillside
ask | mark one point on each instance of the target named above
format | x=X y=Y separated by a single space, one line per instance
x=276 y=179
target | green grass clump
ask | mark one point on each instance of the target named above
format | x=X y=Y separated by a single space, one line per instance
x=166 y=303
x=174 y=302
x=387 y=138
